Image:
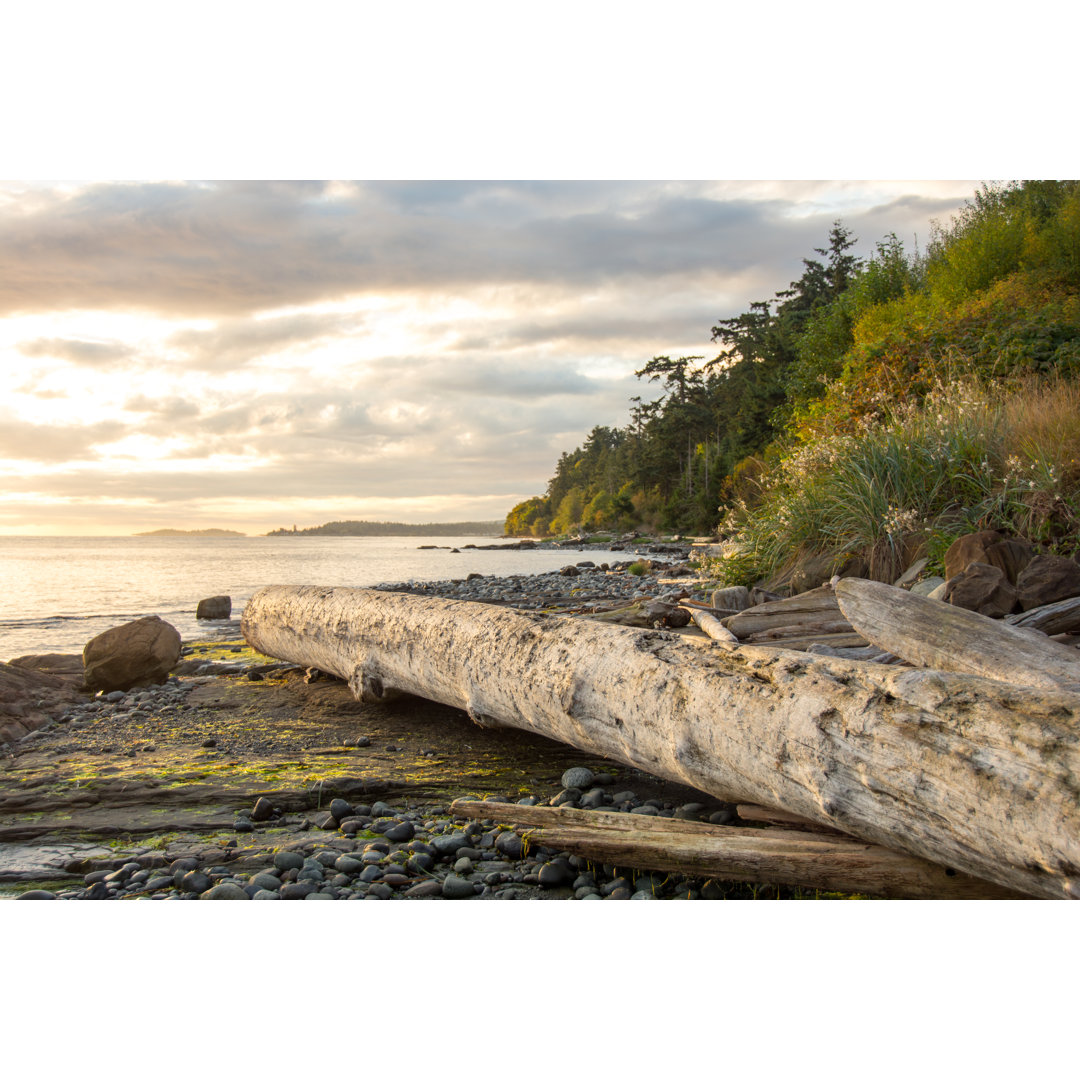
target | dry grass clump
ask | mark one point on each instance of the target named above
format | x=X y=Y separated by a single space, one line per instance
x=971 y=455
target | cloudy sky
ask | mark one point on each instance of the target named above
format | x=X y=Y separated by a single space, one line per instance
x=253 y=355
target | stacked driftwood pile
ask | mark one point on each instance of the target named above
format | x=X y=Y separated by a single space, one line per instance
x=952 y=771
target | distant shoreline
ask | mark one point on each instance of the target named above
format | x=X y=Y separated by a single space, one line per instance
x=396 y=528
x=190 y=532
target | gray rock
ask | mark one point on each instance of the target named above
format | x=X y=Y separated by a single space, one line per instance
x=297 y=890
x=267 y=894
x=341 y=809
x=346 y=864
x=37 y=894
x=508 y=843
x=554 y=873
x=227 y=890
x=266 y=881
x=214 y=607
x=194 y=881
x=263 y=810
x=400 y=832
x=577 y=777
x=288 y=860
x=457 y=888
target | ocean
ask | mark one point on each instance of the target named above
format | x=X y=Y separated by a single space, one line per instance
x=56 y=593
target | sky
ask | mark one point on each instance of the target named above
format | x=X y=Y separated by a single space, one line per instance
x=252 y=354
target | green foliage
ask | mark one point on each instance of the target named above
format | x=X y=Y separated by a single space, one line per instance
x=837 y=355
x=969 y=457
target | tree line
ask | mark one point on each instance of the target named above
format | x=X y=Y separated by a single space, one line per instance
x=995 y=290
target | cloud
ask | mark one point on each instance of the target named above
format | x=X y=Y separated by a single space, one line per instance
x=224 y=250
x=233 y=342
x=21 y=440
x=94 y=354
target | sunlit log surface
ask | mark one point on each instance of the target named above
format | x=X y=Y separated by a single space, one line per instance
x=976 y=775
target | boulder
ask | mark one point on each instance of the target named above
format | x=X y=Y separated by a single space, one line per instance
x=1047 y=579
x=214 y=607
x=1011 y=555
x=982 y=588
x=137 y=653
x=969 y=549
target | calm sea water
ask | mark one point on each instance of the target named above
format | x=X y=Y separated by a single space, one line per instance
x=58 y=592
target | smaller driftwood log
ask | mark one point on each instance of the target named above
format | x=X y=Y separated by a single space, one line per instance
x=763 y=856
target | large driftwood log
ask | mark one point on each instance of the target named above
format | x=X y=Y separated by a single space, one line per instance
x=763 y=856
x=932 y=634
x=967 y=772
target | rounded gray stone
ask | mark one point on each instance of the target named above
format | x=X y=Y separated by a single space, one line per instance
x=288 y=860
x=457 y=888
x=577 y=777
x=225 y=891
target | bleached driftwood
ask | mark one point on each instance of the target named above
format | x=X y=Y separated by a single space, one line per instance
x=932 y=634
x=762 y=856
x=959 y=770
x=709 y=624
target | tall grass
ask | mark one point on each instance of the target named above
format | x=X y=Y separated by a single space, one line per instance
x=971 y=455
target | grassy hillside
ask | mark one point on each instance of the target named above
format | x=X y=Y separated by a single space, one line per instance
x=868 y=408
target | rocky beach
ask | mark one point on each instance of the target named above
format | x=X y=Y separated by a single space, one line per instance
x=242 y=777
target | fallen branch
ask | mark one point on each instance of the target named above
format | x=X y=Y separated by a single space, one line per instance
x=762 y=856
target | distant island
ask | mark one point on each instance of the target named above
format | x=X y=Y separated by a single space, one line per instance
x=191 y=532
x=396 y=528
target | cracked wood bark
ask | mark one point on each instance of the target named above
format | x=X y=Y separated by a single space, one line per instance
x=937 y=635
x=763 y=856
x=967 y=772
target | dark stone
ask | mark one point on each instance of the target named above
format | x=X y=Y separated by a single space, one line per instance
x=37 y=894
x=100 y=891
x=508 y=843
x=340 y=809
x=297 y=890
x=400 y=832
x=1046 y=580
x=425 y=888
x=243 y=825
x=227 y=890
x=288 y=860
x=457 y=888
x=263 y=810
x=420 y=863
x=1011 y=556
x=554 y=874
x=214 y=607
x=195 y=881
x=969 y=549
x=981 y=588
